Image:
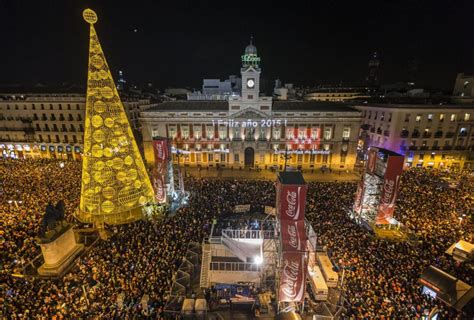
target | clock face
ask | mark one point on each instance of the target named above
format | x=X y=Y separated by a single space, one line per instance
x=250 y=83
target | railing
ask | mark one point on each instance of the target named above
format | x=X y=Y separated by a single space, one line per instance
x=242 y=234
x=249 y=234
x=235 y=266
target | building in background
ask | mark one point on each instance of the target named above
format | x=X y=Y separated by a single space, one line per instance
x=250 y=130
x=339 y=93
x=464 y=88
x=50 y=125
x=373 y=78
x=435 y=136
x=215 y=89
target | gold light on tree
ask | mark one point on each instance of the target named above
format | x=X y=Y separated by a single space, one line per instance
x=115 y=184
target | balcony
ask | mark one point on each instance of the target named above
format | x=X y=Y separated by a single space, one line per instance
x=424 y=148
x=415 y=134
x=447 y=148
x=438 y=134
x=435 y=148
x=459 y=148
x=412 y=148
x=404 y=134
x=449 y=134
x=426 y=134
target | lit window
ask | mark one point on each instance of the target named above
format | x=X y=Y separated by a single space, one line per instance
x=418 y=118
x=346 y=133
x=327 y=133
x=453 y=117
x=441 y=117
x=430 y=117
x=467 y=116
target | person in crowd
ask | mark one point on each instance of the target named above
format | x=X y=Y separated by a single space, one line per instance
x=109 y=281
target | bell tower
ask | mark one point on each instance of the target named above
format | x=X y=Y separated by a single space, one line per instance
x=250 y=72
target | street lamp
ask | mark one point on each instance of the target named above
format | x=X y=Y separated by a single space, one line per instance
x=285 y=156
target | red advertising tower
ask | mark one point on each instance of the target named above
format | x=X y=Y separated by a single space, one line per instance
x=378 y=189
x=162 y=153
x=290 y=209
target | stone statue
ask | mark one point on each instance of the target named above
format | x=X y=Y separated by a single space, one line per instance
x=53 y=216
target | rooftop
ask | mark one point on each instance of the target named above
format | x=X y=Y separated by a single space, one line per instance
x=191 y=105
x=417 y=106
x=312 y=106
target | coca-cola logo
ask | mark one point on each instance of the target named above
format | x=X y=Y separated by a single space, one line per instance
x=160 y=192
x=159 y=150
x=291 y=285
x=294 y=238
x=389 y=192
x=293 y=205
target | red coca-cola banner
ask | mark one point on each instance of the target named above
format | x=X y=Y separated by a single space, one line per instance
x=291 y=202
x=358 y=198
x=390 y=187
x=293 y=277
x=371 y=160
x=293 y=235
x=161 y=151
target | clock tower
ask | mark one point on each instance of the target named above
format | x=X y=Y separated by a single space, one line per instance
x=250 y=72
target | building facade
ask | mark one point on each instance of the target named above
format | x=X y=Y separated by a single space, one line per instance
x=436 y=136
x=50 y=125
x=250 y=130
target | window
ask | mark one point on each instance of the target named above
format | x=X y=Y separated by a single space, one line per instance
x=198 y=131
x=421 y=156
x=198 y=157
x=312 y=157
x=222 y=132
x=407 y=117
x=275 y=157
x=42 y=106
x=222 y=157
x=300 y=157
x=250 y=96
x=210 y=132
x=236 y=157
x=210 y=157
x=185 y=131
x=343 y=158
x=346 y=133
x=74 y=138
x=40 y=138
x=68 y=106
x=315 y=133
x=432 y=156
x=65 y=139
x=57 y=139
x=290 y=133
x=430 y=117
x=172 y=132
x=441 y=117
x=276 y=133
x=467 y=116
x=50 y=107
x=235 y=108
x=262 y=158
x=375 y=117
x=453 y=117
x=418 y=118
x=382 y=116
x=370 y=114
x=77 y=107
x=60 y=107
x=327 y=133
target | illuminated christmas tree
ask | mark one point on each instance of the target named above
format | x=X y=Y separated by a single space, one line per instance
x=115 y=184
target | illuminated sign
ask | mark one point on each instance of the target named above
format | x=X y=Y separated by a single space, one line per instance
x=250 y=123
x=302 y=151
x=250 y=58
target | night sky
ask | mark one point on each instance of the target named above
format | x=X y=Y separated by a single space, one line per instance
x=178 y=43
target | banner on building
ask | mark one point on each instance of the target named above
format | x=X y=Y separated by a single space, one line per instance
x=293 y=235
x=160 y=170
x=389 y=190
x=291 y=202
x=292 y=277
x=372 y=160
x=241 y=208
x=358 y=198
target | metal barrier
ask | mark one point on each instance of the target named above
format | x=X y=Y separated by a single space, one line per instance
x=235 y=266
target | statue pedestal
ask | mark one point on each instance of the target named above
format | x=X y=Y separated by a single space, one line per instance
x=59 y=253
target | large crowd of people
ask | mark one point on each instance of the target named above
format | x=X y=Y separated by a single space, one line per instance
x=141 y=258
